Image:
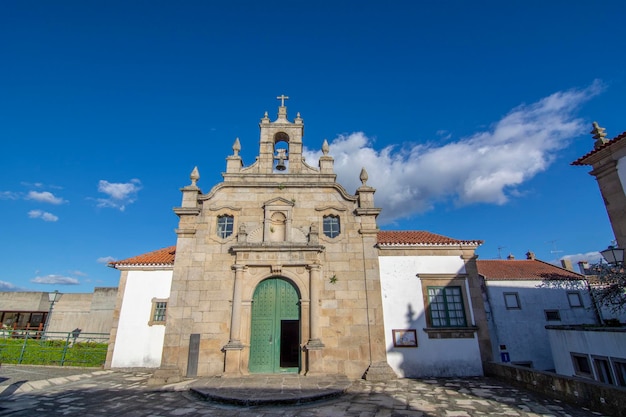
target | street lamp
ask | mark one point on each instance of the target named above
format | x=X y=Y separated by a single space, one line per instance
x=613 y=255
x=53 y=297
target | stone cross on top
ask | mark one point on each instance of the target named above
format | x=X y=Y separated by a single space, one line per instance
x=282 y=99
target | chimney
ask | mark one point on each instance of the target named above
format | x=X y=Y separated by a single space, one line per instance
x=510 y=257
x=567 y=264
x=583 y=266
x=530 y=255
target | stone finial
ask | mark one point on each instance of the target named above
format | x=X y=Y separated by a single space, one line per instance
x=363 y=177
x=325 y=147
x=510 y=257
x=236 y=147
x=530 y=255
x=599 y=134
x=195 y=176
x=266 y=118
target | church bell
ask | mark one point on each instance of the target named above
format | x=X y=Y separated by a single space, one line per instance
x=280 y=166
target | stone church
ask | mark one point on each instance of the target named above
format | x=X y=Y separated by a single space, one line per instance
x=278 y=268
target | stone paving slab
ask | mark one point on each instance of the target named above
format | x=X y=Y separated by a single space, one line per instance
x=127 y=394
x=257 y=390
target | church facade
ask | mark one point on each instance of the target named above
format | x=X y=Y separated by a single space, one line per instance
x=279 y=269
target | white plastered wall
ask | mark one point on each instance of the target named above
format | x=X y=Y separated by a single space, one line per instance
x=608 y=345
x=138 y=344
x=523 y=330
x=403 y=308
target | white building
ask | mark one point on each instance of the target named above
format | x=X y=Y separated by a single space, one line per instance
x=590 y=352
x=524 y=296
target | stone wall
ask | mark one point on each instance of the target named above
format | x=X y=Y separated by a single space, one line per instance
x=91 y=312
x=604 y=398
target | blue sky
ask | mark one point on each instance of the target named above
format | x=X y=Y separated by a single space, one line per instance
x=466 y=115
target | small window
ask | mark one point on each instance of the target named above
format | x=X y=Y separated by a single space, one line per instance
x=511 y=301
x=575 y=300
x=159 y=310
x=603 y=370
x=582 y=366
x=552 y=315
x=445 y=305
x=225 y=226
x=619 y=367
x=331 y=226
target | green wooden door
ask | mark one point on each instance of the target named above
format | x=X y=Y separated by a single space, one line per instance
x=275 y=334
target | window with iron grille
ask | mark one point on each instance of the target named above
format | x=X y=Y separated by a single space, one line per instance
x=331 y=226
x=159 y=311
x=225 y=226
x=445 y=305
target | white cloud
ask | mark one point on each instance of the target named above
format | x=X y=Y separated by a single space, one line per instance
x=78 y=273
x=444 y=134
x=486 y=167
x=8 y=195
x=590 y=257
x=119 y=194
x=7 y=286
x=105 y=259
x=43 y=215
x=55 y=279
x=44 y=197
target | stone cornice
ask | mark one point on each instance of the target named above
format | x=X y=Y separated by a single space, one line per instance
x=367 y=211
x=282 y=183
x=276 y=247
x=186 y=211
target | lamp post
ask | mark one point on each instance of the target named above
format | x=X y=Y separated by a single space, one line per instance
x=53 y=297
x=613 y=255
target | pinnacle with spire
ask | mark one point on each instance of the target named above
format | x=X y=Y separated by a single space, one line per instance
x=236 y=147
x=363 y=177
x=325 y=147
x=194 y=176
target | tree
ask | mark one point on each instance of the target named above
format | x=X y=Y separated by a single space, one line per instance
x=608 y=285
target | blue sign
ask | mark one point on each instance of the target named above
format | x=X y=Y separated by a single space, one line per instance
x=504 y=356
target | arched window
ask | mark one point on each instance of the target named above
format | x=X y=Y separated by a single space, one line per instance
x=225 y=225
x=331 y=226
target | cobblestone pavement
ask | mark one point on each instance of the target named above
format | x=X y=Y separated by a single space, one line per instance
x=97 y=393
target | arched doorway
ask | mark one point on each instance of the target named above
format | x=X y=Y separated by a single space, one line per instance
x=275 y=328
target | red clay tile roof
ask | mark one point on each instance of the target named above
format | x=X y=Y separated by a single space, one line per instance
x=166 y=256
x=580 y=161
x=523 y=269
x=419 y=237
x=163 y=256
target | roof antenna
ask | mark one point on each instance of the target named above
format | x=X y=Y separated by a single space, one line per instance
x=554 y=250
x=500 y=251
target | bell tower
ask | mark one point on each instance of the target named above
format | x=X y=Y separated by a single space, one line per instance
x=281 y=142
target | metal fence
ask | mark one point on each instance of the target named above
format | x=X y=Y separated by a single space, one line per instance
x=30 y=347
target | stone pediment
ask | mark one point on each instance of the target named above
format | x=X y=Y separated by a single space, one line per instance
x=278 y=201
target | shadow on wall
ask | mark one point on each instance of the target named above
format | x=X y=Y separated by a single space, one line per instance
x=517 y=317
x=420 y=350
